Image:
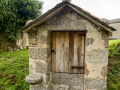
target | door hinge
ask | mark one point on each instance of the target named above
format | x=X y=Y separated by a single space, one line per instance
x=77 y=67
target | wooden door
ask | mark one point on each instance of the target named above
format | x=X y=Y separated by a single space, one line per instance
x=68 y=52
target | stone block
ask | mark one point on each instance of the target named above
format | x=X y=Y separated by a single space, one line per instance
x=41 y=31
x=32 y=38
x=97 y=56
x=58 y=87
x=43 y=39
x=49 y=38
x=61 y=88
x=68 y=79
x=49 y=66
x=64 y=87
x=33 y=79
x=66 y=21
x=98 y=84
x=105 y=37
x=31 y=68
x=39 y=87
x=47 y=79
x=71 y=88
x=104 y=71
x=75 y=88
x=38 y=53
x=42 y=67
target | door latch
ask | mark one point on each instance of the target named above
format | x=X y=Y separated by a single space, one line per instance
x=53 y=51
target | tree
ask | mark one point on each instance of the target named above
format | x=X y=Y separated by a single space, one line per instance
x=15 y=13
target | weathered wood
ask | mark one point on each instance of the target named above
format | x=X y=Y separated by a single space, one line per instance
x=71 y=51
x=82 y=55
x=53 y=53
x=66 y=53
x=58 y=42
x=80 y=49
x=69 y=56
x=62 y=45
x=75 y=62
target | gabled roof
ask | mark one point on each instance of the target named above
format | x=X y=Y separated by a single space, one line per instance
x=115 y=20
x=55 y=10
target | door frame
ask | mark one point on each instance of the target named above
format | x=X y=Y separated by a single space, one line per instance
x=84 y=45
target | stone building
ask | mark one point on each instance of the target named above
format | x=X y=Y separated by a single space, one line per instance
x=22 y=40
x=68 y=50
x=116 y=24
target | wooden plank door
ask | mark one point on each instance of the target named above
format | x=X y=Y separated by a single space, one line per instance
x=68 y=52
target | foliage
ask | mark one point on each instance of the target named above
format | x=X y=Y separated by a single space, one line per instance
x=112 y=48
x=13 y=69
x=113 y=43
x=114 y=66
x=15 y=13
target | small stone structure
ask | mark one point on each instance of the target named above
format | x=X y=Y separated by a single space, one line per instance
x=67 y=20
x=116 y=24
x=22 y=40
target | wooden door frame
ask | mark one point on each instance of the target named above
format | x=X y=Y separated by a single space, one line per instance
x=84 y=46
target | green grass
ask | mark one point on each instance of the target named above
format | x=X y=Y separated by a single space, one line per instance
x=113 y=51
x=13 y=69
x=113 y=43
x=113 y=79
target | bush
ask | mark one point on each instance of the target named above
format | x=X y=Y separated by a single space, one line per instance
x=112 y=48
x=113 y=79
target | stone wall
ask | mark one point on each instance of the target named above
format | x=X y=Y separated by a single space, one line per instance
x=25 y=40
x=19 y=41
x=96 y=59
x=96 y=55
x=40 y=58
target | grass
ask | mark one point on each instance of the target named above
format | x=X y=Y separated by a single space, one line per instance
x=113 y=79
x=113 y=43
x=13 y=69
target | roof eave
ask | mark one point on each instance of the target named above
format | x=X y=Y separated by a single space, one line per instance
x=56 y=10
x=92 y=20
x=42 y=18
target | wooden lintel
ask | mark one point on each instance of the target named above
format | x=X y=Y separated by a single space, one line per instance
x=98 y=28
